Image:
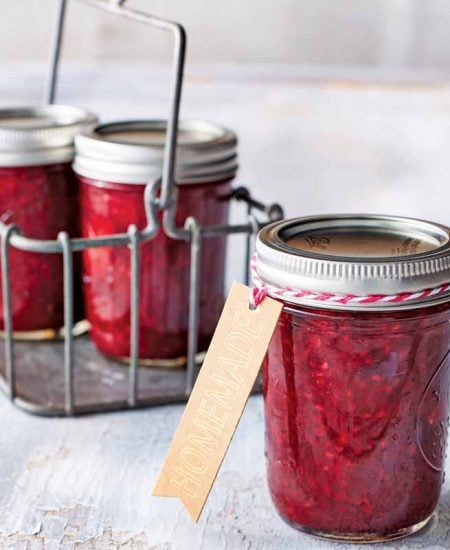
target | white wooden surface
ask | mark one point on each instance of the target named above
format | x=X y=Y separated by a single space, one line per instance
x=316 y=146
x=85 y=483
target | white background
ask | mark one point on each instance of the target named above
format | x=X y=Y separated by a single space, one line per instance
x=384 y=33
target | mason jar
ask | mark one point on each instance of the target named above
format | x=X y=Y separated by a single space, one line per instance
x=39 y=193
x=356 y=378
x=114 y=162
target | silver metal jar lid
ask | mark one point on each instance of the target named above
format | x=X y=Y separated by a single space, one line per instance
x=40 y=135
x=132 y=152
x=356 y=255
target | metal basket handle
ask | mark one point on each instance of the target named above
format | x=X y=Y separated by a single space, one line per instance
x=117 y=7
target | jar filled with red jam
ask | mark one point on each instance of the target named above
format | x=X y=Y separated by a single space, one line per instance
x=39 y=194
x=114 y=163
x=356 y=378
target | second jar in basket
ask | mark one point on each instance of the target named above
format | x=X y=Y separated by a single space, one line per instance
x=114 y=162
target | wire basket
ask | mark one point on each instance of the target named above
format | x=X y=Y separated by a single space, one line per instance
x=69 y=377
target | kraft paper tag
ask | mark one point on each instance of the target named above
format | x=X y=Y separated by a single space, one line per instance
x=218 y=399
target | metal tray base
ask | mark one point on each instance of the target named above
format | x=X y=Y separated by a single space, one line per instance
x=100 y=383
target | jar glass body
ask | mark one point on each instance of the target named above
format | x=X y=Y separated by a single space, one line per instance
x=356 y=408
x=108 y=208
x=42 y=201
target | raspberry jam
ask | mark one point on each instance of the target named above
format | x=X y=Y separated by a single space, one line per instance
x=42 y=201
x=354 y=435
x=109 y=208
x=113 y=163
x=39 y=194
x=356 y=400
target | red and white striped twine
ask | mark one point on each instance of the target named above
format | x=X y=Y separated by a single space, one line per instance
x=261 y=290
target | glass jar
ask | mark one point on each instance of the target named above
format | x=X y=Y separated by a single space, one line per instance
x=356 y=378
x=113 y=163
x=39 y=194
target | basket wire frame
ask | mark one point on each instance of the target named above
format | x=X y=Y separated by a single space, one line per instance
x=159 y=196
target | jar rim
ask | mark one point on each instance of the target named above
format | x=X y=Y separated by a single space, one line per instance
x=357 y=255
x=132 y=151
x=39 y=135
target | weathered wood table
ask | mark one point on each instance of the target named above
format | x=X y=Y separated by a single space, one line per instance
x=316 y=146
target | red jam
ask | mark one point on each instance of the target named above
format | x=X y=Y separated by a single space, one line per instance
x=108 y=208
x=42 y=201
x=356 y=418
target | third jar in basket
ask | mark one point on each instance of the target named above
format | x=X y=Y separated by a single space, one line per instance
x=114 y=162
